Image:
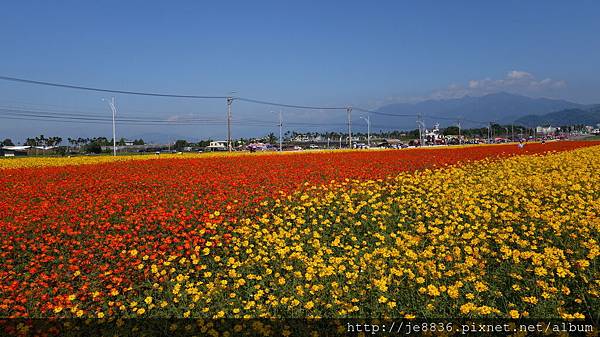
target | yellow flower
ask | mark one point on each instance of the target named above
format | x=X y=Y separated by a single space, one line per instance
x=433 y=290
x=480 y=286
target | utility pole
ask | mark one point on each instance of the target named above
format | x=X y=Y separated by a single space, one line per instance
x=113 y=108
x=512 y=128
x=368 y=120
x=280 y=131
x=340 y=142
x=459 y=138
x=229 y=145
x=349 y=111
x=421 y=125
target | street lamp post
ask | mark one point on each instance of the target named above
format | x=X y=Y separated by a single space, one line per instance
x=113 y=108
x=229 y=145
x=368 y=120
x=280 y=130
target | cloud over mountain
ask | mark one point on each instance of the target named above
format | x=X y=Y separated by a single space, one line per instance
x=515 y=81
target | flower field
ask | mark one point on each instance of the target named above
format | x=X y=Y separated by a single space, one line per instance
x=485 y=231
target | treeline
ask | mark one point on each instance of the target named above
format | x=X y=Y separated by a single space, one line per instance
x=95 y=144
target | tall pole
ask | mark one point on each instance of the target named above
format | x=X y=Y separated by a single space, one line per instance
x=229 y=145
x=459 y=138
x=368 y=129
x=368 y=120
x=113 y=108
x=421 y=127
x=512 y=129
x=280 y=131
x=349 y=111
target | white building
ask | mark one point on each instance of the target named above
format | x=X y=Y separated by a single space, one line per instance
x=434 y=136
x=219 y=145
x=546 y=130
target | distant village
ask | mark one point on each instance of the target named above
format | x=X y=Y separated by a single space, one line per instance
x=295 y=141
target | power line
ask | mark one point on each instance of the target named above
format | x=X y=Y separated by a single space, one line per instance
x=250 y=100
x=109 y=121
x=38 y=113
x=139 y=93
x=52 y=116
x=385 y=113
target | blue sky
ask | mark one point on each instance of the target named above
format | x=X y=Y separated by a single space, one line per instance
x=357 y=53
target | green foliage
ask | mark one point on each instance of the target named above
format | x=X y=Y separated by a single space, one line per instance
x=93 y=148
x=7 y=142
x=180 y=144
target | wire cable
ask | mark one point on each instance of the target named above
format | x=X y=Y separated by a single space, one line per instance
x=250 y=100
x=139 y=93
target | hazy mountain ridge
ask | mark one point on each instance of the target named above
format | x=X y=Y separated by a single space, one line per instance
x=587 y=116
x=499 y=107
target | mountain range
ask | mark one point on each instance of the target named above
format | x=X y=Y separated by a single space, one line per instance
x=477 y=111
x=587 y=116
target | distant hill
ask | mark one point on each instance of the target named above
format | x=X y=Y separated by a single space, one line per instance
x=499 y=107
x=589 y=116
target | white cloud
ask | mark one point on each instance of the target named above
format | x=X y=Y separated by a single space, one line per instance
x=517 y=74
x=515 y=81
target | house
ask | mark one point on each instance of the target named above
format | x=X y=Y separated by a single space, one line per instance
x=14 y=151
x=219 y=145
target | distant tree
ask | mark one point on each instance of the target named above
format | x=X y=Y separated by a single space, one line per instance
x=271 y=139
x=7 y=142
x=102 y=141
x=31 y=142
x=121 y=142
x=180 y=144
x=93 y=147
x=53 y=141
x=139 y=142
x=451 y=130
x=40 y=140
x=204 y=143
